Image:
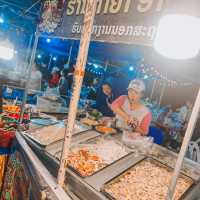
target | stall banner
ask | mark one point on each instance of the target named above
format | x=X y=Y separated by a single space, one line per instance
x=117 y=21
x=3 y=161
x=127 y=21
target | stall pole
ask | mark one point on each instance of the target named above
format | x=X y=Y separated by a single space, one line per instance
x=106 y=66
x=78 y=79
x=70 y=53
x=162 y=94
x=153 y=88
x=49 y=64
x=28 y=77
x=29 y=48
x=186 y=140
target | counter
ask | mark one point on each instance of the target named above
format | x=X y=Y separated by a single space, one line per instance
x=90 y=187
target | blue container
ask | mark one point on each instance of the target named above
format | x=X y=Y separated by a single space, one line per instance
x=157 y=134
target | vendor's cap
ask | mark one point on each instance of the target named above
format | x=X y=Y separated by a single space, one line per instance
x=137 y=85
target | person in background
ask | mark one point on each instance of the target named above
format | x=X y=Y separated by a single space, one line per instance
x=183 y=113
x=65 y=68
x=130 y=112
x=35 y=83
x=105 y=97
x=45 y=75
x=189 y=112
x=55 y=77
x=92 y=94
x=63 y=84
x=163 y=123
x=164 y=114
x=35 y=79
x=70 y=75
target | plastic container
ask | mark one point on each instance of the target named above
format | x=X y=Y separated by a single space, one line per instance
x=143 y=144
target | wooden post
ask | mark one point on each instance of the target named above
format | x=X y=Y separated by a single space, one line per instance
x=186 y=140
x=78 y=79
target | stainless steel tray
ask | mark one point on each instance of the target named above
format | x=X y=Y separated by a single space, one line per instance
x=34 y=135
x=95 y=140
x=117 y=178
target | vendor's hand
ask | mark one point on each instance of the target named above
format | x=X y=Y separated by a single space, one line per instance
x=134 y=135
x=108 y=104
x=133 y=122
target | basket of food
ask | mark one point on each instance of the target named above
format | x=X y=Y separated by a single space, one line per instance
x=146 y=180
x=11 y=108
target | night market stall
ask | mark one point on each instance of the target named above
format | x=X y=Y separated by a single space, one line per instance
x=85 y=161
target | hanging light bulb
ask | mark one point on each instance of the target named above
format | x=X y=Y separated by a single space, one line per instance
x=1 y=20
x=146 y=76
x=48 y=40
x=178 y=36
x=6 y=50
x=131 y=68
x=54 y=58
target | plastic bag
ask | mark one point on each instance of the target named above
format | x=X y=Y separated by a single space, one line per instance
x=135 y=141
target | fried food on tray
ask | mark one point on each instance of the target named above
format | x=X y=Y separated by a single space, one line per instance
x=89 y=122
x=92 y=157
x=147 y=180
x=85 y=162
x=105 y=129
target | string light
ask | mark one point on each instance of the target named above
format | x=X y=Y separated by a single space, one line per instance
x=131 y=68
x=54 y=58
x=1 y=20
x=154 y=73
x=48 y=40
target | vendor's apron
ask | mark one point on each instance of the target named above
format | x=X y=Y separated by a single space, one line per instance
x=139 y=114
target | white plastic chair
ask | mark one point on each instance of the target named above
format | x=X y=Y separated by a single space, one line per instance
x=194 y=150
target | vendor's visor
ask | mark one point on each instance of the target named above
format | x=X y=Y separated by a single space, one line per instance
x=137 y=85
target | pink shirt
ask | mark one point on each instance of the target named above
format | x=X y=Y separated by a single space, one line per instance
x=143 y=114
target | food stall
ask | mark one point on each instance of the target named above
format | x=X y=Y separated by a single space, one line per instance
x=99 y=165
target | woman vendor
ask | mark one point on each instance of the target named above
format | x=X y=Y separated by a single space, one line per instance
x=131 y=113
x=104 y=99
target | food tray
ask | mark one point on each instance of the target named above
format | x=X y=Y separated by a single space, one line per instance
x=89 y=122
x=89 y=143
x=45 y=137
x=44 y=122
x=118 y=178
